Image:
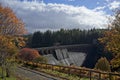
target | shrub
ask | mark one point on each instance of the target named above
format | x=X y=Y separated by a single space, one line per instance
x=103 y=64
x=40 y=59
x=28 y=54
x=115 y=62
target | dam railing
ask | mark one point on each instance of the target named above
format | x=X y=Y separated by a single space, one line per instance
x=82 y=72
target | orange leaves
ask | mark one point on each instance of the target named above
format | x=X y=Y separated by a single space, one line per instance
x=9 y=23
x=20 y=41
x=7 y=46
x=28 y=54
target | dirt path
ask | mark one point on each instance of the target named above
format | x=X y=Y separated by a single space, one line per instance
x=29 y=74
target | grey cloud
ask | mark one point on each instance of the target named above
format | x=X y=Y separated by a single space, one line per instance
x=41 y=16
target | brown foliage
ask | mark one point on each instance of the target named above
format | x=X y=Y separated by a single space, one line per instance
x=111 y=40
x=103 y=64
x=116 y=62
x=7 y=53
x=20 y=41
x=28 y=54
x=7 y=46
x=9 y=23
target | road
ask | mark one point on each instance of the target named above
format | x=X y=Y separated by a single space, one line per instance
x=29 y=74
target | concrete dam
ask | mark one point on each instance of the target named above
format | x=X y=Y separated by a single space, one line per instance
x=79 y=55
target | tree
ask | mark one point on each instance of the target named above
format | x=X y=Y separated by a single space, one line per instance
x=103 y=64
x=9 y=23
x=47 y=38
x=20 y=41
x=115 y=62
x=37 y=39
x=111 y=38
x=28 y=54
x=63 y=37
x=7 y=53
x=10 y=26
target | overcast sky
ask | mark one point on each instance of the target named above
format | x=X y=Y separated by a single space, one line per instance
x=55 y=14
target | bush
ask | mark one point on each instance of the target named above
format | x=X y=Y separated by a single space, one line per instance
x=28 y=54
x=40 y=59
x=115 y=62
x=103 y=64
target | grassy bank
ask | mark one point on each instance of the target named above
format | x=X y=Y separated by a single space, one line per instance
x=10 y=78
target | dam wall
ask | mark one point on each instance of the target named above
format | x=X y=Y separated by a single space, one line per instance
x=79 y=55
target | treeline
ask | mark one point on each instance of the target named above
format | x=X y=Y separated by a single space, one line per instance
x=63 y=37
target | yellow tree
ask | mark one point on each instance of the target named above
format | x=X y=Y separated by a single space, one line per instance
x=7 y=52
x=9 y=23
x=111 y=39
x=10 y=28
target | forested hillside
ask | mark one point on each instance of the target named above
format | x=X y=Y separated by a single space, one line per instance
x=63 y=37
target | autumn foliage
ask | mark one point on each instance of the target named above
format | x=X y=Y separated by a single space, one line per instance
x=7 y=45
x=28 y=54
x=10 y=26
x=103 y=64
x=116 y=62
x=111 y=40
x=7 y=53
x=9 y=23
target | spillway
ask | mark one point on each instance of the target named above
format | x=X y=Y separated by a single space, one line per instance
x=65 y=57
x=84 y=55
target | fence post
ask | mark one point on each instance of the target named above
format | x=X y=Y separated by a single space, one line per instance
x=110 y=76
x=42 y=66
x=99 y=75
x=69 y=71
x=90 y=75
x=80 y=73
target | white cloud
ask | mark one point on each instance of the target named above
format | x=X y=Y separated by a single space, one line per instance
x=111 y=0
x=114 y=5
x=41 y=16
x=107 y=0
x=100 y=8
x=98 y=3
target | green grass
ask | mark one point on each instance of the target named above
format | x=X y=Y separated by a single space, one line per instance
x=84 y=79
x=11 y=78
x=60 y=74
